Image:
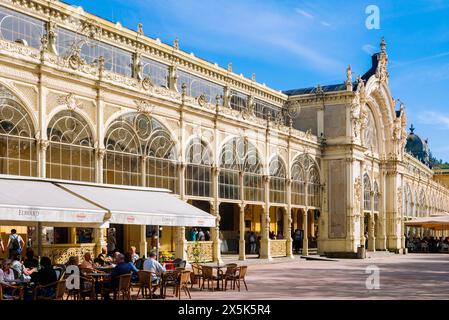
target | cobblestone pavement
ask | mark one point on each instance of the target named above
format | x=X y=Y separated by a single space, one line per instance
x=412 y=276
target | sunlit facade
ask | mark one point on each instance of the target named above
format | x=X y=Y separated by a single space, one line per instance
x=85 y=100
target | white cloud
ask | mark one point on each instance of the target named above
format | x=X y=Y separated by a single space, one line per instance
x=325 y=23
x=304 y=13
x=370 y=49
x=434 y=118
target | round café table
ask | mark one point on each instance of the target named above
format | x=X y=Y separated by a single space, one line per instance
x=97 y=276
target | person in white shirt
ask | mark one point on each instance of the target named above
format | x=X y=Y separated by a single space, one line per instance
x=151 y=264
x=6 y=273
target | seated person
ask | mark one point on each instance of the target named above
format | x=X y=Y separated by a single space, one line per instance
x=6 y=273
x=121 y=268
x=7 y=280
x=151 y=264
x=87 y=264
x=132 y=266
x=103 y=259
x=30 y=261
x=20 y=272
x=45 y=276
x=134 y=255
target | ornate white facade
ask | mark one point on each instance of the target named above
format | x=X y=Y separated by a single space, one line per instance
x=85 y=99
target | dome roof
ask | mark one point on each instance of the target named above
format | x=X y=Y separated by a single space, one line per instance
x=418 y=147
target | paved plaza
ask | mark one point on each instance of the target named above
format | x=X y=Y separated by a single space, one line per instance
x=412 y=276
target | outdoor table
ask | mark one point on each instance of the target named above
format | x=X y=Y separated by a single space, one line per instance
x=20 y=282
x=97 y=276
x=107 y=269
x=217 y=267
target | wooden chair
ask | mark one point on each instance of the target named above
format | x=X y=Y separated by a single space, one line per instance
x=196 y=275
x=183 y=283
x=124 y=287
x=146 y=282
x=59 y=291
x=15 y=289
x=240 y=276
x=230 y=275
x=208 y=275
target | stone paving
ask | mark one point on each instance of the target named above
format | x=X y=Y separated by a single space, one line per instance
x=412 y=276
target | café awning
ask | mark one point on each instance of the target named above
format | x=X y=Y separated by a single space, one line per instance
x=141 y=206
x=27 y=201
x=440 y=222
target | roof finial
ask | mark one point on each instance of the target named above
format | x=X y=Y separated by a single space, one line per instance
x=176 y=43
x=253 y=77
x=383 y=45
x=412 y=129
x=140 y=29
x=230 y=67
x=348 y=81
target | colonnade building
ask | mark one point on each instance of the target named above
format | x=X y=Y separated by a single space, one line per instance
x=85 y=99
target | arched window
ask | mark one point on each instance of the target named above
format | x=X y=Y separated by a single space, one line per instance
x=70 y=155
x=408 y=202
x=313 y=186
x=298 y=184
x=198 y=170
x=366 y=193
x=376 y=196
x=422 y=205
x=305 y=174
x=122 y=163
x=240 y=156
x=371 y=132
x=278 y=174
x=133 y=139
x=17 y=143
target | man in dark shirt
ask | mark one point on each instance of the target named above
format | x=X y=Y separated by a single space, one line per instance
x=46 y=275
x=121 y=268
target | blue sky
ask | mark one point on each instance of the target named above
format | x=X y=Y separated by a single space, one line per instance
x=293 y=44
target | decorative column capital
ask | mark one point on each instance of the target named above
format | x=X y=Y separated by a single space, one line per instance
x=43 y=144
x=101 y=152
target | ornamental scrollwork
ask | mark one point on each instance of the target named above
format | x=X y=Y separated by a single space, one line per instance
x=70 y=101
x=144 y=107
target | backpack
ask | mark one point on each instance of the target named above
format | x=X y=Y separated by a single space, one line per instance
x=15 y=245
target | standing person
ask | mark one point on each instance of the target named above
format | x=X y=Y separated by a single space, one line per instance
x=207 y=235
x=112 y=241
x=201 y=235
x=194 y=234
x=15 y=243
x=252 y=243
x=259 y=238
x=297 y=239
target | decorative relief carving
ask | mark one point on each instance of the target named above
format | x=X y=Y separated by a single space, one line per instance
x=357 y=195
x=60 y=254
x=144 y=107
x=278 y=248
x=70 y=101
x=19 y=49
x=205 y=247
